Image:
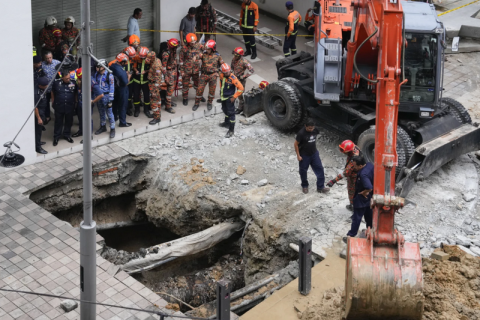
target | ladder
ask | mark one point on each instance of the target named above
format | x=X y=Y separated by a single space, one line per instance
x=230 y=24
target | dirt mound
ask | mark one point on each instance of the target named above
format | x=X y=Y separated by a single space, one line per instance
x=451 y=289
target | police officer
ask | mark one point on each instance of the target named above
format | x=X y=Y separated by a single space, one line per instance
x=107 y=85
x=119 y=71
x=37 y=68
x=229 y=84
x=248 y=23
x=64 y=95
x=41 y=105
x=291 y=30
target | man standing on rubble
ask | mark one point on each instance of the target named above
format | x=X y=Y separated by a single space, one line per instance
x=307 y=155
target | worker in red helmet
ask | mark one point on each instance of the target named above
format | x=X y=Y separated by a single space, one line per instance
x=263 y=85
x=132 y=54
x=211 y=62
x=169 y=70
x=230 y=90
x=190 y=59
x=155 y=78
x=242 y=69
x=349 y=149
x=140 y=83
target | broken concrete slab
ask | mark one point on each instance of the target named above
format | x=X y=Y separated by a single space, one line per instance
x=69 y=305
x=439 y=255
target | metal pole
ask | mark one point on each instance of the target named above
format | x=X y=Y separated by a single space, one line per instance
x=305 y=265
x=223 y=300
x=88 y=277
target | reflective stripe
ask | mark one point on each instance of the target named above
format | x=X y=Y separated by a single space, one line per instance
x=245 y=16
x=128 y=69
x=221 y=90
x=141 y=75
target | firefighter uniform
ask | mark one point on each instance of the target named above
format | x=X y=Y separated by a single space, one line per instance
x=291 y=30
x=169 y=70
x=190 y=59
x=64 y=106
x=155 y=78
x=239 y=66
x=140 y=84
x=350 y=174
x=249 y=20
x=210 y=65
x=228 y=87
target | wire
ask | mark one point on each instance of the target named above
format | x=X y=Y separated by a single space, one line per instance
x=355 y=57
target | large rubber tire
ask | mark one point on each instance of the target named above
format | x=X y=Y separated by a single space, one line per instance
x=304 y=110
x=281 y=103
x=405 y=147
x=457 y=110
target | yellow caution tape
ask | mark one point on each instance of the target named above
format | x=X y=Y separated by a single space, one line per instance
x=215 y=33
x=441 y=14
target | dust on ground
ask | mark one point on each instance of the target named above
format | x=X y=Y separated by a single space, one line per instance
x=451 y=290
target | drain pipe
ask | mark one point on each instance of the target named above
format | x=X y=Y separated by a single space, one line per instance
x=88 y=258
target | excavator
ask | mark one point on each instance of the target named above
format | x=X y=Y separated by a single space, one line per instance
x=376 y=75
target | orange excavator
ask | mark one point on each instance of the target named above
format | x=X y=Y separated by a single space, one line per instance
x=376 y=75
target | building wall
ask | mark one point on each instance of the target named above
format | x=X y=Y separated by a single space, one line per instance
x=171 y=13
x=277 y=7
x=16 y=81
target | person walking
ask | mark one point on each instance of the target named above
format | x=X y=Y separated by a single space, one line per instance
x=40 y=97
x=140 y=83
x=206 y=18
x=155 y=81
x=190 y=58
x=242 y=69
x=363 y=195
x=64 y=96
x=187 y=26
x=119 y=71
x=169 y=70
x=107 y=85
x=349 y=149
x=308 y=155
x=230 y=90
x=248 y=22
x=132 y=26
x=291 y=30
x=211 y=62
x=49 y=67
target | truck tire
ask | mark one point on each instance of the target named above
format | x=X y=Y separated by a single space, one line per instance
x=304 y=111
x=457 y=110
x=405 y=147
x=281 y=103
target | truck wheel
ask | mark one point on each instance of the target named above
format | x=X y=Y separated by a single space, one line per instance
x=281 y=103
x=304 y=111
x=457 y=110
x=405 y=147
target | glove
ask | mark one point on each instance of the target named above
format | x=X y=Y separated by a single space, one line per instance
x=109 y=105
x=331 y=183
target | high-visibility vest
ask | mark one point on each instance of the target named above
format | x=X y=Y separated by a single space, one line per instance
x=141 y=75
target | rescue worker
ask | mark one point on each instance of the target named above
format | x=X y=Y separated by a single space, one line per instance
x=348 y=148
x=133 y=41
x=155 y=78
x=121 y=89
x=69 y=33
x=229 y=84
x=206 y=18
x=47 y=40
x=249 y=23
x=41 y=104
x=308 y=155
x=242 y=69
x=263 y=84
x=169 y=70
x=291 y=30
x=57 y=54
x=140 y=83
x=132 y=54
x=64 y=96
x=107 y=85
x=190 y=58
x=37 y=68
x=310 y=22
x=211 y=62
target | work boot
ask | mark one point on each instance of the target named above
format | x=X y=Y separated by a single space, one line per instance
x=170 y=110
x=231 y=130
x=102 y=129
x=203 y=99
x=254 y=52
x=164 y=102
x=130 y=108
x=224 y=124
x=147 y=112
x=112 y=133
x=209 y=106
x=185 y=102
x=154 y=122
x=349 y=207
x=173 y=104
x=195 y=107
x=41 y=150
x=247 y=51
x=324 y=190
x=219 y=100
x=305 y=190
x=137 y=111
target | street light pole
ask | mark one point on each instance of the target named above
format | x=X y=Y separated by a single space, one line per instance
x=88 y=228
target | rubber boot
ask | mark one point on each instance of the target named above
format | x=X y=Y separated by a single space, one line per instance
x=248 y=51
x=137 y=110
x=231 y=130
x=203 y=99
x=154 y=121
x=112 y=133
x=209 y=106
x=195 y=107
x=224 y=124
x=102 y=129
x=146 y=110
x=185 y=102
x=130 y=108
x=254 y=52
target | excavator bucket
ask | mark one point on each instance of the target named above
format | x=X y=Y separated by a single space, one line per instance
x=383 y=282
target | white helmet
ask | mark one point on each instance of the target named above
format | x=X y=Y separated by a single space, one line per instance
x=50 y=21
x=70 y=19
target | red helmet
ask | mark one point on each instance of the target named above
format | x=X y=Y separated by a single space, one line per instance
x=79 y=73
x=172 y=43
x=134 y=40
x=57 y=33
x=263 y=84
x=346 y=146
x=210 y=45
x=143 y=53
x=225 y=68
x=191 y=37
x=238 y=50
x=130 y=51
x=122 y=57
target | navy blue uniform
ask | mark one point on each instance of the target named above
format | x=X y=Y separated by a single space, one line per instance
x=121 y=91
x=361 y=204
x=42 y=106
x=310 y=157
x=64 y=106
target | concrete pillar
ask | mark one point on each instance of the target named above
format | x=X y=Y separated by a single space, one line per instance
x=16 y=84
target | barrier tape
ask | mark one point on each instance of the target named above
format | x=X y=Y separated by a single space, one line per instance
x=213 y=33
x=451 y=10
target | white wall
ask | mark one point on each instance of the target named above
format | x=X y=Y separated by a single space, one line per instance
x=171 y=13
x=16 y=79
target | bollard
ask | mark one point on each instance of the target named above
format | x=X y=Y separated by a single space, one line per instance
x=305 y=265
x=223 y=300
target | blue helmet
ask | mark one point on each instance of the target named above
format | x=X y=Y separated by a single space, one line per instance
x=288 y=4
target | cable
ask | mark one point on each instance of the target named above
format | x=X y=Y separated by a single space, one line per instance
x=355 y=57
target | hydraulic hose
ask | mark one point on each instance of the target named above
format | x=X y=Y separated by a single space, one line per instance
x=355 y=57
